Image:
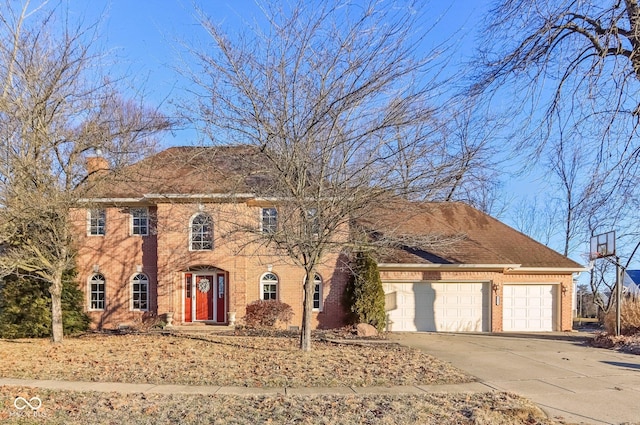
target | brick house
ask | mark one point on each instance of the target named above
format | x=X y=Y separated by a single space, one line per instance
x=157 y=239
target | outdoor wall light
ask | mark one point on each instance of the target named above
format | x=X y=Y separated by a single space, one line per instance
x=495 y=287
x=564 y=289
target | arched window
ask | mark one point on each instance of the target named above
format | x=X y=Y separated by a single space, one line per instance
x=317 y=292
x=269 y=286
x=96 y=292
x=140 y=292
x=201 y=233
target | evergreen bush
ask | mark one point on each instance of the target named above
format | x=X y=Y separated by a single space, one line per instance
x=25 y=307
x=364 y=295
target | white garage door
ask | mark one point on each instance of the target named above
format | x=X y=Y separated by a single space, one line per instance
x=453 y=307
x=529 y=308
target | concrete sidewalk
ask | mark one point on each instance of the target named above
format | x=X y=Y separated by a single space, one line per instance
x=561 y=374
x=249 y=391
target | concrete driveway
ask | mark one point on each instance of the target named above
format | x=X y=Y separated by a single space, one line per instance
x=566 y=378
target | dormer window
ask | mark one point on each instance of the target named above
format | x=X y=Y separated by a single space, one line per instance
x=201 y=233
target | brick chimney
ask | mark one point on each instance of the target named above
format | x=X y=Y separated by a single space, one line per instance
x=97 y=166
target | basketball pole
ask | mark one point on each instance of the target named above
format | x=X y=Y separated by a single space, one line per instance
x=618 y=295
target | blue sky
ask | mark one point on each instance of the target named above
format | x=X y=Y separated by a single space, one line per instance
x=143 y=36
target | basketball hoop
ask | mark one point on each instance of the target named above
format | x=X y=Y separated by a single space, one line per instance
x=603 y=245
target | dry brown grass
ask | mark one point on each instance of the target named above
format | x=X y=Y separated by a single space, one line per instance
x=221 y=360
x=629 y=318
x=60 y=407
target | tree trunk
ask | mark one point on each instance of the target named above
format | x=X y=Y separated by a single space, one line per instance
x=307 y=308
x=56 y=309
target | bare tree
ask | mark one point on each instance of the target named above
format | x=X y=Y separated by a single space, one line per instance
x=570 y=71
x=569 y=68
x=574 y=66
x=325 y=92
x=55 y=108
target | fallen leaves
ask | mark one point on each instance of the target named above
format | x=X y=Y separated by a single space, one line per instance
x=222 y=360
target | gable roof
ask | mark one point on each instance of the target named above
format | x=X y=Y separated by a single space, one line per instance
x=475 y=238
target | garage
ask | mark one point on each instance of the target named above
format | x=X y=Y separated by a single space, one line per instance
x=530 y=308
x=437 y=306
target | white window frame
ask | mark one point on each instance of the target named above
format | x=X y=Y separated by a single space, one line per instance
x=317 y=284
x=143 y=216
x=191 y=233
x=96 y=278
x=271 y=282
x=96 y=223
x=139 y=279
x=269 y=222
x=313 y=221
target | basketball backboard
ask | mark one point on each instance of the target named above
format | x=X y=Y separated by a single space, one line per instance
x=602 y=245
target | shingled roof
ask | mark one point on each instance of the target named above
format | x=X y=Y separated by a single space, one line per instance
x=186 y=170
x=476 y=238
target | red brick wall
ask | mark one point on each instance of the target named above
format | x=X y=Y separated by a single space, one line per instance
x=117 y=256
x=165 y=257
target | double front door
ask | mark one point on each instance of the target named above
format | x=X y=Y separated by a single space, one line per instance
x=205 y=297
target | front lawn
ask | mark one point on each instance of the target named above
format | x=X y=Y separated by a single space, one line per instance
x=221 y=360
x=254 y=361
x=70 y=408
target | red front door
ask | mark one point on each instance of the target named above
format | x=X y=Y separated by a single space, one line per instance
x=205 y=297
x=204 y=288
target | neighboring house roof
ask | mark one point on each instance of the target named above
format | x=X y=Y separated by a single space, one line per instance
x=475 y=238
x=632 y=281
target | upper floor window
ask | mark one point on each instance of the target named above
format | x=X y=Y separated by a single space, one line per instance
x=313 y=221
x=97 y=221
x=201 y=233
x=140 y=292
x=269 y=220
x=96 y=292
x=269 y=286
x=140 y=221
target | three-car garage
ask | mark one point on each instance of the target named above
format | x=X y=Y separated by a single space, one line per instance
x=467 y=306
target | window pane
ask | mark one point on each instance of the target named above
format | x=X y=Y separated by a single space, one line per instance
x=201 y=233
x=269 y=220
x=140 y=292
x=97 y=297
x=97 y=219
x=139 y=221
x=269 y=283
x=317 y=292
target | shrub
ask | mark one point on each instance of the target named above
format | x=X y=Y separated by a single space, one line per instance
x=25 y=307
x=629 y=318
x=266 y=314
x=364 y=295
